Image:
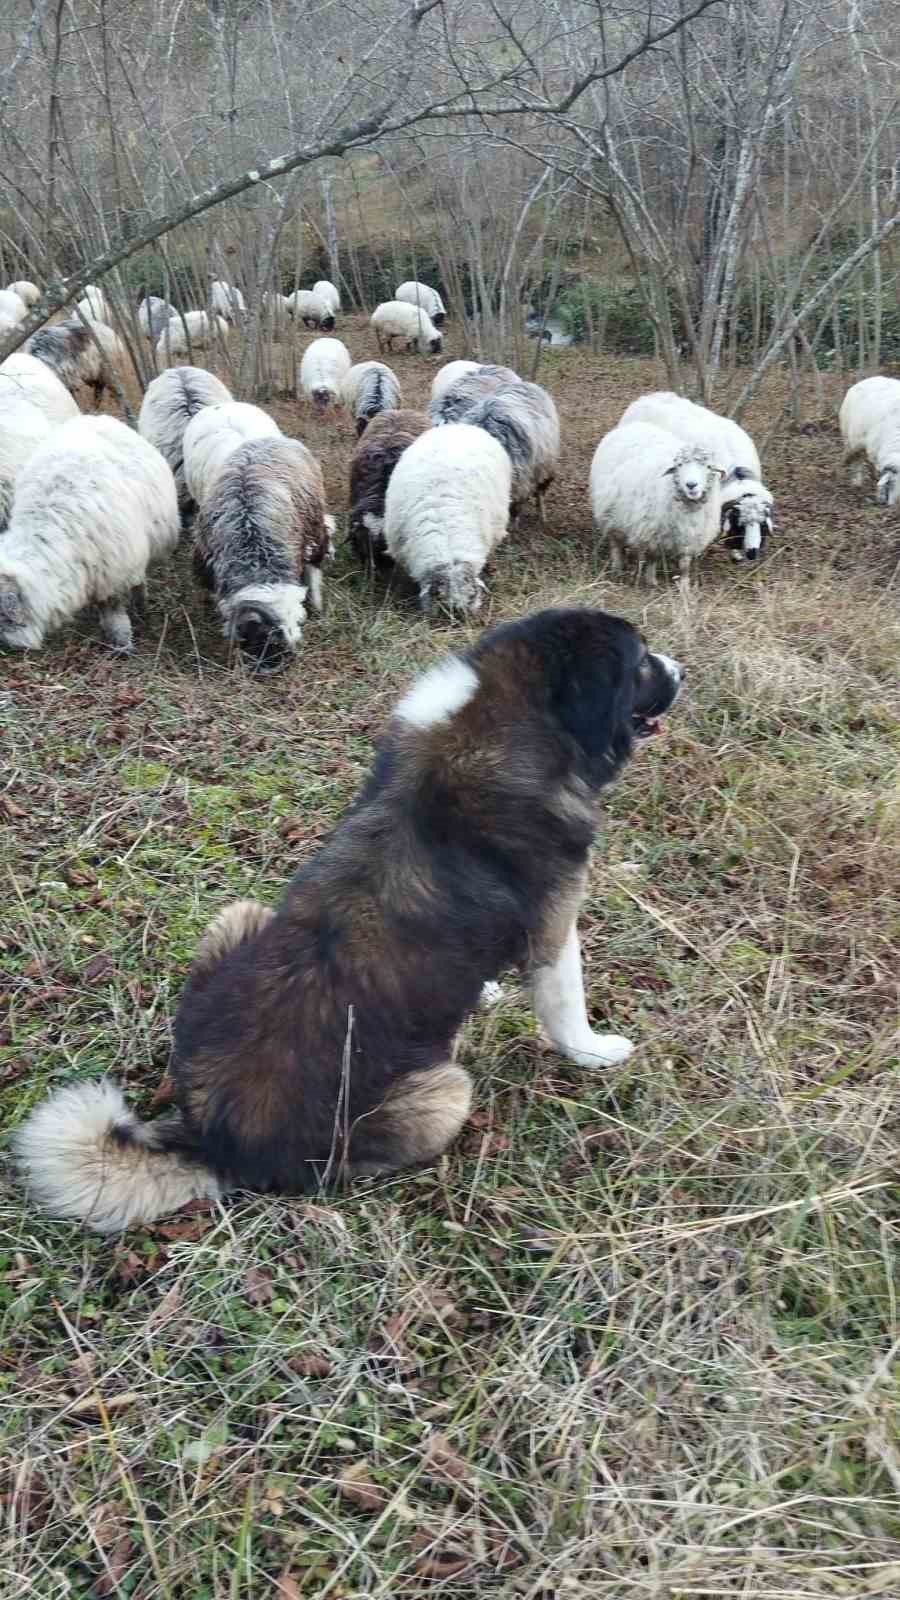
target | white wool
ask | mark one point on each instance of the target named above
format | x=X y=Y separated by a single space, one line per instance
x=420 y=294
x=369 y=387
x=26 y=290
x=447 y=502
x=870 y=427
x=639 y=502
x=329 y=293
x=440 y=692
x=729 y=444
x=13 y=309
x=396 y=319
x=94 y=505
x=24 y=377
x=154 y=315
x=324 y=367
x=22 y=428
x=225 y=300
x=304 y=305
x=212 y=434
x=75 y=1168
x=171 y=400
x=283 y=600
x=188 y=330
x=94 y=304
x=449 y=374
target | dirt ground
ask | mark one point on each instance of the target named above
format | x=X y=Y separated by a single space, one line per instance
x=637 y=1334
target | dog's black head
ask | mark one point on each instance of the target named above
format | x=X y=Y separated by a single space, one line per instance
x=598 y=680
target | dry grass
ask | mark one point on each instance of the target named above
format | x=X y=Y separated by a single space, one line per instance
x=638 y=1334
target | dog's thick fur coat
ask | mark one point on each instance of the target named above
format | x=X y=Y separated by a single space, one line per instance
x=317 y=1040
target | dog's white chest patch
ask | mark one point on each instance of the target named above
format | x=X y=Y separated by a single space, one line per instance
x=441 y=692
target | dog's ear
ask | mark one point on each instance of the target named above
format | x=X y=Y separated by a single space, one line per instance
x=595 y=675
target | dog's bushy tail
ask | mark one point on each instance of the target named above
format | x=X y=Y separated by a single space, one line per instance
x=85 y=1156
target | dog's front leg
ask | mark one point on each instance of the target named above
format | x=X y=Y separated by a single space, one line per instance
x=561 y=1011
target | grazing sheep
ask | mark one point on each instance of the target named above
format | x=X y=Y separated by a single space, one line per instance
x=330 y=293
x=456 y=398
x=447 y=375
x=24 y=377
x=13 y=310
x=154 y=316
x=226 y=301
x=78 y=352
x=170 y=402
x=188 y=331
x=747 y=507
x=261 y=531
x=446 y=510
x=396 y=319
x=212 y=434
x=654 y=495
x=276 y=310
x=370 y=387
x=870 y=428
x=94 y=505
x=371 y=465
x=26 y=290
x=323 y=369
x=419 y=294
x=523 y=418
x=309 y=308
x=22 y=428
x=93 y=304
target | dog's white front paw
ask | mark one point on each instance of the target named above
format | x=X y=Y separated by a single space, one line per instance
x=491 y=995
x=596 y=1050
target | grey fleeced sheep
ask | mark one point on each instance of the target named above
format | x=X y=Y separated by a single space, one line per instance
x=374 y=459
x=420 y=294
x=171 y=400
x=226 y=301
x=261 y=532
x=305 y=306
x=188 y=331
x=94 y=505
x=154 y=316
x=396 y=319
x=213 y=434
x=22 y=428
x=870 y=429
x=368 y=388
x=78 y=352
x=455 y=399
x=523 y=418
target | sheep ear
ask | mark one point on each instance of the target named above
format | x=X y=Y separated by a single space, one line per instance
x=12 y=608
x=722 y=471
x=669 y=470
x=425 y=597
x=481 y=584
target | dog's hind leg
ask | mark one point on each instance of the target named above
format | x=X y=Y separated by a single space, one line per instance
x=415 y=1121
x=561 y=1011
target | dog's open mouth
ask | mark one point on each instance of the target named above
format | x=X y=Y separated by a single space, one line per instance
x=645 y=727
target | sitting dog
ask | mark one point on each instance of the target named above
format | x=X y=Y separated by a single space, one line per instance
x=316 y=1041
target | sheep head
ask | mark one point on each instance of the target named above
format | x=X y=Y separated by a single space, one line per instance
x=19 y=626
x=694 y=474
x=887 y=491
x=456 y=588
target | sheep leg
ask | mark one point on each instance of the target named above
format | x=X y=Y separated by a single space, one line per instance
x=313 y=579
x=616 y=561
x=139 y=599
x=684 y=572
x=115 y=625
x=646 y=571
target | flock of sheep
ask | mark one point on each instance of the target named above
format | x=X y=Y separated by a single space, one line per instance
x=87 y=503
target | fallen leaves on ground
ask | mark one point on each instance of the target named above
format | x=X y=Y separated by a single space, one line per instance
x=355 y=1485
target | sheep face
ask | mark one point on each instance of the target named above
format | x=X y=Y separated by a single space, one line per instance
x=436 y=345
x=327 y=323
x=321 y=398
x=887 y=491
x=693 y=475
x=266 y=621
x=746 y=525
x=438 y=318
x=19 y=627
x=456 y=588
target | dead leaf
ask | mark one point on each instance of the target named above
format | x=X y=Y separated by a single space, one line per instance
x=97 y=968
x=89 y=1406
x=257 y=1286
x=443 y=1564
x=442 y=1461
x=11 y=808
x=288 y=1588
x=128 y=1266
x=191 y=1227
x=355 y=1485
x=128 y=696
x=310 y=1365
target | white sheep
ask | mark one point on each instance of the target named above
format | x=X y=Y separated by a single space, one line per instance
x=26 y=290
x=448 y=375
x=870 y=428
x=24 y=378
x=456 y=398
x=323 y=369
x=78 y=352
x=212 y=434
x=154 y=314
x=188 y=331
x=226 y=301
x=524 y=420
x=94 y=505
x=396 y=319
x=262 y=530
x=419 y=294
x=747 y=506
x=94 y=304
x=328 y=292
x=445 y=512
x=171 y=400
x=13 y=310
x=654 y=495
x=22 y=428
x=309 y=308
x=369 y=388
